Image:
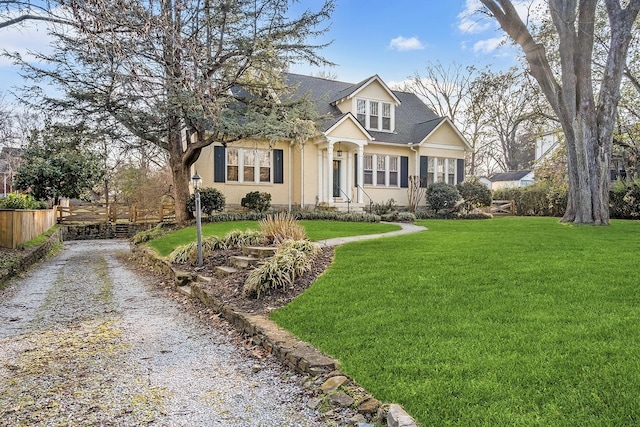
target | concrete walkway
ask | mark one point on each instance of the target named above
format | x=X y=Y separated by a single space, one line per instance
x=405 y=229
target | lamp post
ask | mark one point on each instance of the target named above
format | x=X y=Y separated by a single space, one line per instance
x=196 y=192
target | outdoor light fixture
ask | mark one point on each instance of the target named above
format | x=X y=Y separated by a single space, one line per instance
x=197 y=181
x=339 y=153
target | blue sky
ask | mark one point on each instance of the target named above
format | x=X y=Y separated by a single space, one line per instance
x=393 y=39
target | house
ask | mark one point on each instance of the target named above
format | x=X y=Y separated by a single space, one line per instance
x=511 y=179
x=373 y=141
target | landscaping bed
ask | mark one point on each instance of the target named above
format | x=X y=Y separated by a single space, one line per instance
x=229 y=288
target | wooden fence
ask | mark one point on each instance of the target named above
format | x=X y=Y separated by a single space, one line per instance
x=19 y=226
x=502 y=207
x=114 y=212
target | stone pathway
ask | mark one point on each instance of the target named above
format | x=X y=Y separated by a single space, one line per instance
x=405 y=229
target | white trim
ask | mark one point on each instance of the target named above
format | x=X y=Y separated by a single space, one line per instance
x=354 y=121
x=367 y=83
x=455 y=129
x=443 y=147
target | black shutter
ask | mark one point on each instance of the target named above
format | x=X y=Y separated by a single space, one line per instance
x=219 y=173
x=424 y=170
x=460 y=171
x=278 y=166
x=355 y=169
x=404 y=171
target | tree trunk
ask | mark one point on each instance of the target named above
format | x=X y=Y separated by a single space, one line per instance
x=587 y=123
x=180 y=172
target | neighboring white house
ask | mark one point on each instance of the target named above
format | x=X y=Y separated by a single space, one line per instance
x=511 y=179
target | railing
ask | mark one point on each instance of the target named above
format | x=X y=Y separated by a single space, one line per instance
x=369 y=197
x=348 y=198
x=114 y=213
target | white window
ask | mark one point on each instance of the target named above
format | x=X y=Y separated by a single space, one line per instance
x=362 y=112
x=431 y=169
x=393 y=171
x=441 y=170
x=248 y=165
x=374 y=115
x=368 y=169
x=451 y=171
x=264 y=157
x=232 y=164
x=381 y=170
x=386 y=116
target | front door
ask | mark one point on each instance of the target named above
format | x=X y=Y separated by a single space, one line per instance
x=336 y=178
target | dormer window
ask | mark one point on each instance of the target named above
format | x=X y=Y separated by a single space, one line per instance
x=362 y=112
x=374 y=115
x=386 y=116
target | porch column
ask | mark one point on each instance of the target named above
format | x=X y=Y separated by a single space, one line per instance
x=330 y=173
x=360 y=173
x=320 y=179
x=349 y=171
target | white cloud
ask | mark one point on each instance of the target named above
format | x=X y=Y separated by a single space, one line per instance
x=472 y=22
x=489 y=45
x=404 y=44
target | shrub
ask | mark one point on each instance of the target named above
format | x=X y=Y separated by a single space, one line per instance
x=624 y=200
x=244 y=238
x=399 y=217
x=442 y=196
x=256 y=201
x=211 y=200
x=212 y=243
x=292 y=259
x=21 y=201
x=184 y=253
x=385 y=208
x=146 y=235
x=540 y=199
x=474 y=194
x=280 y=227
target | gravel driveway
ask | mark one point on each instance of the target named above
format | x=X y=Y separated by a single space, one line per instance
x=87 y=340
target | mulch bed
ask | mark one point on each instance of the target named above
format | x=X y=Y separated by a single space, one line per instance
x=229 y=288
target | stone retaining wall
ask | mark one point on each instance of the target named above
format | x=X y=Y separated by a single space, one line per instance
x=297 y=354
x=31 y=256
x=101 y=231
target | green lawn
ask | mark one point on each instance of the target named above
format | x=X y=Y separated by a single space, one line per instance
x=316 y=230
x=503 y=322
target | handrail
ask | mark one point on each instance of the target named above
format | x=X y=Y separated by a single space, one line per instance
x=348 y=198
x=370 y=199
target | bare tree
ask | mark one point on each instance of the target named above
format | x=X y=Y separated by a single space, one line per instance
x=15 y=12
x=449 y=92
x=587 y=117
x=183 y=75
x=509 y=110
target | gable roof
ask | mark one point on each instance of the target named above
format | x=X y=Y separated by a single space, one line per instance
x=353 y=90
x=413 y=119
x=509 y=176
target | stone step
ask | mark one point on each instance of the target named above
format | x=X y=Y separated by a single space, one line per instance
x=225 y=270
x=259 y=251
x=240 y=261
